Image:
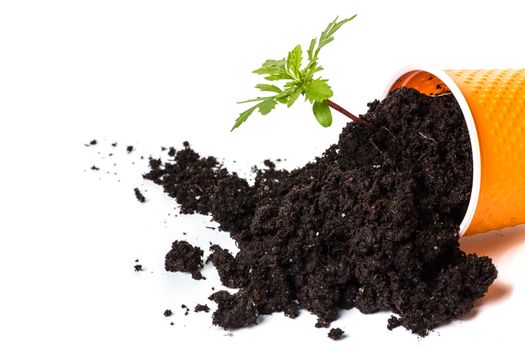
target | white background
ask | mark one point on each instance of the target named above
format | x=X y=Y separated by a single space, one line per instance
x=155 y=73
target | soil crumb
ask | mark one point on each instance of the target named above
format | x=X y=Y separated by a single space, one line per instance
x=234 y=311
x=200 y=308
x=168 y=313
x=336 y=334
x=183 y=257
x=372 y=223
x=138 y=267
x=140 y=197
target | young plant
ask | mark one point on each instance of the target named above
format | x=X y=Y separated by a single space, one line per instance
x=299 y=81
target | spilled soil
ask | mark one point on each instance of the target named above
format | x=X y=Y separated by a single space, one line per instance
x=372 y=223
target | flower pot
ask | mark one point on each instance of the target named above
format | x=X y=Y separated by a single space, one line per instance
x=493 y=105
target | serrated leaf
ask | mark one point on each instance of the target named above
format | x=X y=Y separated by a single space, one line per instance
x=268 y=87
x=308 y=73
x=311 y=49
x=281 y=64
x=322 y=113
x=291 y=84
x=266 y=106
x=339 y=24
x=293 y=96
x=283 y=96
x=324 y=42
x=272 y=67
x=318 y=90
x=253 y=100
x=327 y=35
x=242 y=117
x=294 y=60
x=279 y=76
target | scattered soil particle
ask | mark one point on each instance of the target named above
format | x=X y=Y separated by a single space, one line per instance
x=95 y=168
x=268 y=163
x=129 y=149
x=336 y=334
x=183 y=257
x=138 y=267
x=371 y=224
x=201 y=307
x=186 y=144
x=168 y=313
x=114 y=144
x=92 y=143
x=171 y=323
x=140 y=197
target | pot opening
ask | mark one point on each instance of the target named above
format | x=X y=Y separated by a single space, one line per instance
x=434 y=82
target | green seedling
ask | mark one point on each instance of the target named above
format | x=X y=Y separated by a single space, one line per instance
x=297 y=80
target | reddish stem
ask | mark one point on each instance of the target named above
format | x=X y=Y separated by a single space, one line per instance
x=341 y=110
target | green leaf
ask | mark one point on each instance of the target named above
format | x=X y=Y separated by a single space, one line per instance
x=275 y=69
x=253 y=100
x=327 y=35
x=279 y=76
x=293 y=96
x=294 y=61
x=292 y=84
x=266 y=106
x=338 y=25
x=242 y=117
x=322 y=113
x=283 y=96
x=318 y=90
x=268 y=87
x=270 y=66
x=311 y=49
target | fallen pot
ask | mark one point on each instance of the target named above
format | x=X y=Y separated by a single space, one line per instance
x=493 y=105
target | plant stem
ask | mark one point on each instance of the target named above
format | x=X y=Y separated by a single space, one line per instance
x=341 y=110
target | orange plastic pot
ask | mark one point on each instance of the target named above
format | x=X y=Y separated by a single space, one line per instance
x=493 y=105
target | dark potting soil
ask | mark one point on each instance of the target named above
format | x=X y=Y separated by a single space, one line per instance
x=140 y=197
x=336 y=333
x=183 y=257
x=168 y=313
x=138 y=267
x=371 y=224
